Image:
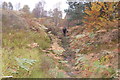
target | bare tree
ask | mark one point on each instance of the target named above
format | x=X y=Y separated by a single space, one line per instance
x=57 y=15
x=50 y=13
x=39 y=11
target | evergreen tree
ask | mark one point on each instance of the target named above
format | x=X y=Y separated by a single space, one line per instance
x=10 y=6
x=75 y=11
x=26 y=9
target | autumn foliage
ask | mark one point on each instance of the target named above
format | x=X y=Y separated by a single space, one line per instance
x=100 y=15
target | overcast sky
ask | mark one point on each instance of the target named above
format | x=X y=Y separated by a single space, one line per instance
x=50 y=4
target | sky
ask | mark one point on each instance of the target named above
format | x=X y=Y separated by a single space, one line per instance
x=50 y=4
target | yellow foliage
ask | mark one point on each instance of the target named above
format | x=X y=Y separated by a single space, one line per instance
x=99 y=13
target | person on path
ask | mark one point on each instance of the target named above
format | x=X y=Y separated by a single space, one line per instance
x=64 y=31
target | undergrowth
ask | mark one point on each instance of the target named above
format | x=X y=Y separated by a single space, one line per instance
x=21 y=61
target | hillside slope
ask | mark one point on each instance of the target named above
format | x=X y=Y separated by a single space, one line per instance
x=96 y=53
x=24 y=44
x=31 y=50
x=12 y=19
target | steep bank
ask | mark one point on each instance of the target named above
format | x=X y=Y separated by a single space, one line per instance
x=96 y=52
x=24 y=48
x=90 y=54
x=36 y=51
